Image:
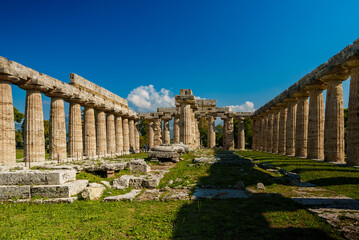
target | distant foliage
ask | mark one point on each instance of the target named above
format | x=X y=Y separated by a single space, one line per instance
x=143 y=127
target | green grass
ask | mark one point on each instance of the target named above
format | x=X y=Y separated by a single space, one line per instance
x=343 y=180
x=20 y=154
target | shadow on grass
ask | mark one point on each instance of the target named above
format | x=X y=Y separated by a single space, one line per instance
x=260 y=216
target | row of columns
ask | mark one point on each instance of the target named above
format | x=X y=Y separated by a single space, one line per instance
x=301 y=127
x=113 y=134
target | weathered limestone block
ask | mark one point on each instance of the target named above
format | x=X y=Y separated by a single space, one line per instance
x=316 y=123
x=8 y=192
x=157 y=132
x=301 y=135
x=36 y=177
x=150 y=134
x=282 y=147
x=353 y=120
x=7 y=126
x=290 y=127
x=152 y=181
x=131 y=127
x=166 y=132
x=57 y=130
x=211 y=132
x=176 y=130
x=59 y=191
x=119 y=135
x=126 y=138
x=75 y=131
x=126 y=181
x=138 y=166
x=334 y=123
x=110 y=133
x=124 y=197
x=34 y=144
x=101 y=138
x=93 y=193
x=241 y=135
x=89 y=133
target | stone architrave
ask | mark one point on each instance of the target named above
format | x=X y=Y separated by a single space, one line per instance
x=34 y=144
x=119 y=135
x=151 y=134
x=291 y=127
x=275 y=138
x=176 y=130
x=110 y=133
x=241 y=134
x=157 y=140
x=315 y=149
x=57 y=130
x=75 y=147
x=211 y=132
x=131 y=127
x=89 y=133
x=353 y=119
x=282 y=146
x=334 y=123
x=126 y=137
x=7 y=126
x=101 y=134
x=301 y=134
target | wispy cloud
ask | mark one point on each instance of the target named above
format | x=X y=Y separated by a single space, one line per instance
x=246 y=107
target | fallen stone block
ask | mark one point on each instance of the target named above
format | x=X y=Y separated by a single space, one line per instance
x=126 y=181
x=9 y=192
x=138 y=166
x=152 y=181
x=37 y=177
x=59 y=191
x=93 y=193
x=128 y=196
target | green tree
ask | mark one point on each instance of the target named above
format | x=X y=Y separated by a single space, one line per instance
x=18 y=116
x=143 y=127
x=219 y=135
x=248 y=132
x=203 y=130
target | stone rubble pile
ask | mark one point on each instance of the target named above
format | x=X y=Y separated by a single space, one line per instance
x=168 y=152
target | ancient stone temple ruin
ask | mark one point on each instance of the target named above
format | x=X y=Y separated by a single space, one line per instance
x=186 y=116
x=295 y=122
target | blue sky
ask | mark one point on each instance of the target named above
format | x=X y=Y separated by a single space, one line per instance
x=232 y=51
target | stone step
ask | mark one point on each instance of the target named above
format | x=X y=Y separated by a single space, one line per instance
x=14 y=192
x=37 y=177
x=59 y=191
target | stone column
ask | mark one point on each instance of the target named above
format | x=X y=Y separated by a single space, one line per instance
x=241 y=135
x=301 y=134
x=126 y=136
x=119 y=135
x=89 y=133
x=131 y=127
x=224 y=138
x=57 y=130
x=166 y=131
x=275 y=139
x=137 y=136
x=270 y=132
x=211 y=132
x=265 y=133
x=150 y=134
x=7 y=125
x=353 y=119
x=186 y=124
x=110 y=133
x=230 y=133
x=75 y=131
x=176 y=130
x=197 y=133
x=101 y=134
x=291 y=126
x=334 y=123
x=282 y=146
x=315 y=149
x=262 y=138
x=34 y=144
x=157 y=132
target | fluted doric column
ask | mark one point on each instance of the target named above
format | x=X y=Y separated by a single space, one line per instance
x=282 y=141
x=353 y=118
x=157 y=140
x=101 y=138
x=126 y=137
x=254 y=133
x=110 y=133
x=241 y=135
x=315 y=149
x=261 y=131
x=89 y=133
x=151 y=134
x=265 y=133
x=334 y=123
x=176 y=130
x=57 y=130
x=291 y=126
x=186 y=124
x=7 y=126
x=228 y=133
x=301 y=134
x=34 y=144
x=137 y=136
x=131 y=127
x=119 y=135
x=197 y=133
x=211 y=132
x=275 y=139
x=270 y=132
x=166 y=131
x=75 y=131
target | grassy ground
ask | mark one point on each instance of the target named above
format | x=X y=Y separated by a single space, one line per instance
x=343 y=180
x=261 y=216
x=20 y=154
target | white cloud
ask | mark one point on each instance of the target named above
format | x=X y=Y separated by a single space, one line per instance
x=246 y=107
x=147 y=99
x=197 y=98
